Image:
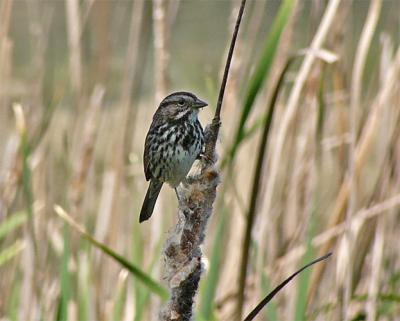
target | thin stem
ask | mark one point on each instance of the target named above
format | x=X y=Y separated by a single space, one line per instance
x=215 y=125
x=228 y=61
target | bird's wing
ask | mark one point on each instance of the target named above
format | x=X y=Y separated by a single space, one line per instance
x=147 y=173
x=146 y=163
x=146 y=155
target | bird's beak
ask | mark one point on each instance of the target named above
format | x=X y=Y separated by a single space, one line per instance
x=199 y=103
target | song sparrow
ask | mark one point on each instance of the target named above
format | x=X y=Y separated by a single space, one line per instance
x=174 y=141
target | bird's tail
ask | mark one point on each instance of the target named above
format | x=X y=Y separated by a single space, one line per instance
x=150 y=200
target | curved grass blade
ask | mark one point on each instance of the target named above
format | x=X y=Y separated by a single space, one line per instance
x=155 y=287
x=271 y=295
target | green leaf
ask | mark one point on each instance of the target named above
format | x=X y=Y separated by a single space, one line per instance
x=304 y=278
x=12 y=222
x=11 y=251
x=62 y=314
x=151 y=284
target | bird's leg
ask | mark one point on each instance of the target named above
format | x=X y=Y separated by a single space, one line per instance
x=177 y=194
x=204 y=158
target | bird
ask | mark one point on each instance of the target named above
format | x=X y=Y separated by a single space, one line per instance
x=173 y=142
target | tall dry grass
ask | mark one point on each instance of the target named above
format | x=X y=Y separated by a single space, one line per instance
x=79 y=82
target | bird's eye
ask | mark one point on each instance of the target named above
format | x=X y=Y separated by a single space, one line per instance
x=181 y=102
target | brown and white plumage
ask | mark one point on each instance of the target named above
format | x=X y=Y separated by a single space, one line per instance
x=174 y=141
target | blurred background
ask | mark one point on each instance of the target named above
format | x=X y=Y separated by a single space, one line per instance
x=79 y=83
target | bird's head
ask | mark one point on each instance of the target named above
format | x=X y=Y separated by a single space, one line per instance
x=180 y=105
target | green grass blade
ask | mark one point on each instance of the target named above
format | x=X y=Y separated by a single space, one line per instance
x=260 y=74
x=304 y=278
x=25 y=150
x=151 y=284
x=12 y=222
x=208 y=295
x=11 y=251
x=62 y=314
x=13 y=302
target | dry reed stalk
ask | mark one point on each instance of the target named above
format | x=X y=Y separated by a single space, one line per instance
x=172 y=12
x=160 y=55
x=5 y=15
x=121 y=288
x=9 y=175
x=360 y=60
x=387 y=137
x=100 y=25
x=304 y=145
x=74 y=36
x=365 y=234
x=131 y=59
x=268 y=227
x=26 y=310
x=72 y=311
x=5 y=54
x=337 y=41
x=302 y=187
x=104 y=212
x=10 y=169
x=39 y=19
x=376 y=266
x=87 y=139
x=129 y=311
x=86 y=10
x=332 y=233
x=362 y=149
x=354 y=116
